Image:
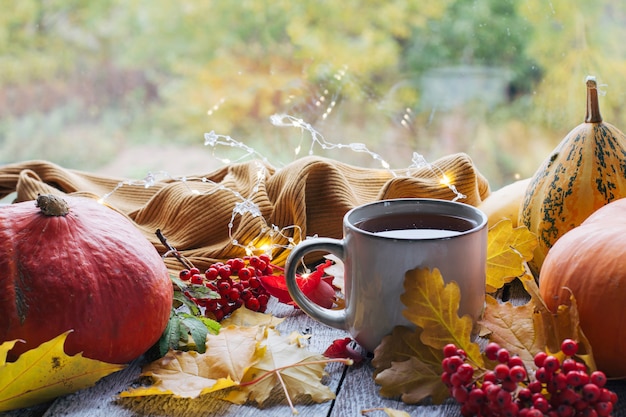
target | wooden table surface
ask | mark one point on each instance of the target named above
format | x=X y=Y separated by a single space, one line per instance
x=354 y=387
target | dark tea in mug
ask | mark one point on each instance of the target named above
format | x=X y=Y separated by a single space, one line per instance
x=417 y=226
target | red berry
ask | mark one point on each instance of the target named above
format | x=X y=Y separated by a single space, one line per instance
x=196 y=279
x=551 y=364
x=591 y=393
x=517 y=373
x=211 y=273
x=490 y=376
x=541 y=404
x=218 y=315
x=449 y=350
x=491 y=351
x=185 y=275
x=451 y=364
x=503 y=398
x=263 y=299
x=253 y=304
x=234 y=294
x=598 y=378
x=535 y=386
x=466 y=372
x=476 y=397
x=539 y=358
x=224 y=271
x=223 y=287
x=244 y=274
x=211 y=305
x=515 y=361
x=502 y=371
x=569 y=365
x=194 y=271
x=503 y=355
x=460 y=394
x=604 y=408
x=569 y=347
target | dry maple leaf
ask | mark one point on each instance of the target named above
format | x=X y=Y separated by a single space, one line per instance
x=514 y=328
x=507 y=251
x=298 y=370
x=563 y=324
x=46 y=372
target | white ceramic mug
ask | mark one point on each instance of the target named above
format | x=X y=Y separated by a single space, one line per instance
x=384 y=240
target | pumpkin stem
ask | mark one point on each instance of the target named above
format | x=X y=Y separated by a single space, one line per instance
x=593 y=107
x=52 y=205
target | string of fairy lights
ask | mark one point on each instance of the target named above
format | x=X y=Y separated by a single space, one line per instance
x=270 y=235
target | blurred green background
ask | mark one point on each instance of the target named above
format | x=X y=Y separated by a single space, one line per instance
x=82 y=83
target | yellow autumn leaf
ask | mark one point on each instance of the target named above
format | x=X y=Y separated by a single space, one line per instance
x=298 y=370
x=245 y=317
x=46 y=372
x=507 y=250
x=413 y=381
x=406 y=367
x=228 y=356
x=433 y=306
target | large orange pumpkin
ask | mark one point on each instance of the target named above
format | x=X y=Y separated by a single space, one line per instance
x=589 y=262
x=74 y=264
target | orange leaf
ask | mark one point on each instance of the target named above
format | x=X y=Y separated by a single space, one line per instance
x=46 y=372
x=514 y=328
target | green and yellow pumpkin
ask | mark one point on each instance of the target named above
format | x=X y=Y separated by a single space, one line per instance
x=584 y=172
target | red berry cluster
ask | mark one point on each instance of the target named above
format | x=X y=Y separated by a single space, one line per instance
x=236 y=282
x=557 y=389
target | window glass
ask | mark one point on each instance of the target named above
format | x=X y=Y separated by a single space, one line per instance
x=124 y=87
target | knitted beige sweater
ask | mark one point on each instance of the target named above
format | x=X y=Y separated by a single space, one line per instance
x=214 y=216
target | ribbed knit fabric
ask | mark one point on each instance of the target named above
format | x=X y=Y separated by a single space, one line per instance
x=279 y=207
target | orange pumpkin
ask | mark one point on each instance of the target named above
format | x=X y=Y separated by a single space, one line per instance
x=589 y=262
x=74 y=264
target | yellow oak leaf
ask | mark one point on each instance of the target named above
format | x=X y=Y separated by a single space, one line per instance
x=402 y=344
x=406 y=367
x=514 y=328
x=507 y=250
x=46 y=372
x=433 y=306
x=284 y=363
x=228 y=356
x=413 y=381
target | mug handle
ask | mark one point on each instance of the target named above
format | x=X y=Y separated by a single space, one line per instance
x=332 y=318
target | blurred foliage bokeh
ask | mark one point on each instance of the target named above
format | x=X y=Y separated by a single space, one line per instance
x=502 y=80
